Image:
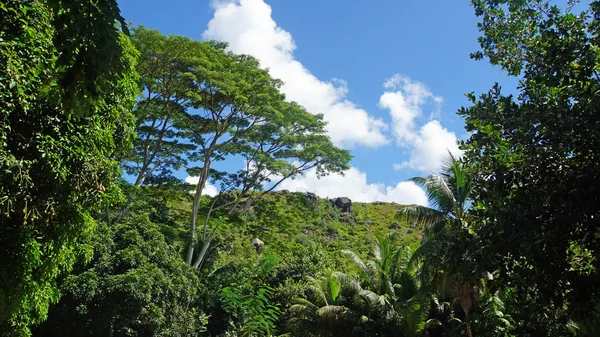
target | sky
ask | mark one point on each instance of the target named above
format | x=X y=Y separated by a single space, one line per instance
x=388 y=75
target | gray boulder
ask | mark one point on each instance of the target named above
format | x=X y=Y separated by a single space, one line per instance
x=343 y=203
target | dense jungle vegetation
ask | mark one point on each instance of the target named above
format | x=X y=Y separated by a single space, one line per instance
x=98 y=236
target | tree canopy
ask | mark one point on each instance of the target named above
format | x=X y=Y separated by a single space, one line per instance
x=535 y=156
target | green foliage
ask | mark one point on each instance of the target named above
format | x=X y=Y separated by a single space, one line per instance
x=509 y=245
x=493 y=320
x=252 y=313
x=170 y=68
x=67 y=85
x=333 y=308
x=384 y=300
x=280 y=217
x=137 y=285
x=535 y=156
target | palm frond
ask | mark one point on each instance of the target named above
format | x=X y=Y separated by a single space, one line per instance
x=356 y=259
x=300 y=311
x=414 y=314
x=375 y=302
x=336 y=312
x=315 y=286
x=347 y=282
x=428 y=247
x=457 y=176
x=301 y=302
x=433 y=323
x=420 y=215
x=374 y=274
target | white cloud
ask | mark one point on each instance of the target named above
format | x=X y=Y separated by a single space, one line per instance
x=405 y=98
x=354 y=185
x=208 y=188
x=430 y=147
x=430 y=143
x=248 y=27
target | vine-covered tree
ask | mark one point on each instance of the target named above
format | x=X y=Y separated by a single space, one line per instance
x=67 y=86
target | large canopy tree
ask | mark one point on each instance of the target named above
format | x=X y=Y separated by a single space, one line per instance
x=201 y=105
x=67 y=86
x=241 y=112
x=535 y=156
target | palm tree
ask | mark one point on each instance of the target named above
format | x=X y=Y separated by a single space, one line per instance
x=387 y=301
x=448 y=194
x=395 y=293
x=335 y=309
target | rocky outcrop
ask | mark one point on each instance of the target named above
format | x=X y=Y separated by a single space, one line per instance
x=311 y=198
x=343 y=203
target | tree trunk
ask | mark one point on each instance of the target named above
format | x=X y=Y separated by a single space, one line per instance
x=469 y=329
x=140 y=178
x=195 y=206
x=111 y=327
x=107 y=214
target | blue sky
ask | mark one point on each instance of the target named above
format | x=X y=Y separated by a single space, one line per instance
x=388 y=75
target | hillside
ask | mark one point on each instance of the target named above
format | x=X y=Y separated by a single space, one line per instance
x=285 y=219
x=342 y=224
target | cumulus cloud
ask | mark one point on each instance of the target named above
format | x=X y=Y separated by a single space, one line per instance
x=430 y=143
x=248 y=27
x=208 y=188
x=354 y=185
x=430 y=147
x=405 y=98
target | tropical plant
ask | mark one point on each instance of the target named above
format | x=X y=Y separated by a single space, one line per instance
x=393 y=281
x=338 y=306
x=446 y=269
x=448 y=194
x=252 y=314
